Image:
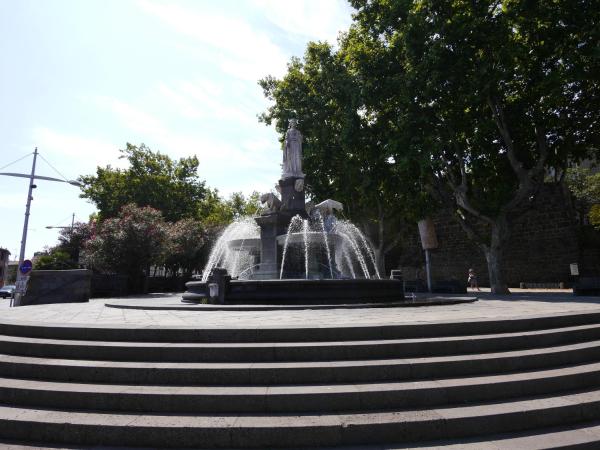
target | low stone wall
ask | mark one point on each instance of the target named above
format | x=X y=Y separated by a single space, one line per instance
x=58 y=286
x=167 y=284
x=109 y=285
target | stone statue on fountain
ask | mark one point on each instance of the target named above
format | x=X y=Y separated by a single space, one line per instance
x=292 y=152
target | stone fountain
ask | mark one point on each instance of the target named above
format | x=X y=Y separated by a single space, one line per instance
x=293 y=252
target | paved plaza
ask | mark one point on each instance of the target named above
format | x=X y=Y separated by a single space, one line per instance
x=520 y=304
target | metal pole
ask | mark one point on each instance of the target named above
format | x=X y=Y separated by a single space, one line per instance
x=72 y=222
x=428 y=269
x=27 y=208
x=26 y=223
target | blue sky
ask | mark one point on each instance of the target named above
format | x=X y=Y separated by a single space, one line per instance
x=79 y=79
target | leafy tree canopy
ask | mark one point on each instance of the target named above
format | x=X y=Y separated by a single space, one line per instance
x=54 y=259
x=185 y=246
x=152 y=179
x=494 y=90
x=128 y=243
x=65 y=255
x=72 y=239
x=218 y=212
x=585 y=187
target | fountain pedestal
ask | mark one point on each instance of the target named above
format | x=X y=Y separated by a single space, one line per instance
x=273 y=224
x=292 y=198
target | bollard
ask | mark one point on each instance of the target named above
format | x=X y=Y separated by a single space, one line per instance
x=219 y=279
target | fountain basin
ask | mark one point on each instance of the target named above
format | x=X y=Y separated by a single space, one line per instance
x=312 y=237
x=301 y=291
x=247 y=244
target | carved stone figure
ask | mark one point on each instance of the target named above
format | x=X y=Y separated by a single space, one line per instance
x=292 y=152
x=273 y=203
x=327 y=207
x=309 y=207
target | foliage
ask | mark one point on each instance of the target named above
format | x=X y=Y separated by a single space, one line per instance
x=129 y=243
x=185 y=246
x=594 y=216
x=65 y=255
x=152 y=179
x=139 y=238
x=584 y=184
x=54 y=259
x=494 y=87
x=585 y=187
x=218 y=212
x=72 y=240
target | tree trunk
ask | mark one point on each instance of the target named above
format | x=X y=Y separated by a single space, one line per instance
x=494 y=255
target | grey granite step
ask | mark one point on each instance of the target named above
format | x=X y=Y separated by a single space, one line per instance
x=585 y=436
x=321 y=398
x=278 y=430
x=263 y=373
x=293 y=351
x=293 y=334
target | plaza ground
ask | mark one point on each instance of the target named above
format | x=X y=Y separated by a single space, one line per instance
x=522 y=303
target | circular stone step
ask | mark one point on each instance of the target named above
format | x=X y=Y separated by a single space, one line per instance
x=175 y=305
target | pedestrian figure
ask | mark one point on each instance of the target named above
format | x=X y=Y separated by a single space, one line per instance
x=472 y=280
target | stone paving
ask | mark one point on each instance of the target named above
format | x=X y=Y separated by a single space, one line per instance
x=95 y=313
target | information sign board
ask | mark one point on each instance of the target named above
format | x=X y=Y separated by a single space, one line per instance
x=21 y=285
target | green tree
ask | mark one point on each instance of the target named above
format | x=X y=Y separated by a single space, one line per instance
x=346 y=154
x=489 y=95
x=184 y=247
x=152 y=179
x=585 y=187
x=54 y=259
x=128 y=244
x=72 y=240
x=218 y=212
x=65 y=255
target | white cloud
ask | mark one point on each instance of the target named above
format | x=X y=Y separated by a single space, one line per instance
x=131 y=117
x=196 y=100
x=181 y=103
x=224 y=164
x=243 y=51
x=12 y=199
x=312 y=19
x=82 y=153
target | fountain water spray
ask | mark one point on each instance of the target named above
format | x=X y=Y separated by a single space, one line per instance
x=306 y=253
x=223 y=255
x=365 y=244
x=326 y=240
x=294 y=226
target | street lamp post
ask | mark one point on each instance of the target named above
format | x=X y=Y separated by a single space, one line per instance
x=32 y=177
x=64 y=228
x=27 y=209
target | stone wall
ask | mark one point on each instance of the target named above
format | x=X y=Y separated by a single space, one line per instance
x=58 y=286
x=545 y=240
x=108 y=285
